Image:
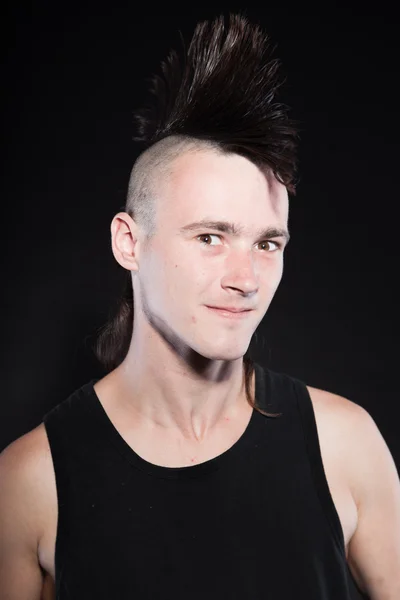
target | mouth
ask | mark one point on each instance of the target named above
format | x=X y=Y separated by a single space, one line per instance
x=230 y=314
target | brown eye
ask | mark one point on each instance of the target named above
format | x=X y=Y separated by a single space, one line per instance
x=207 y=235
x=265 y=242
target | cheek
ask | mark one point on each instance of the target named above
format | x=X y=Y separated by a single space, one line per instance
x=183 y=278
x=279 y=268
x=273 y=277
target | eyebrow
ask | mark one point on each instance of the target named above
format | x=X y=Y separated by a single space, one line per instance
x=234 y=229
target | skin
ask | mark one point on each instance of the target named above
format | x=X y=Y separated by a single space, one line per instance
x=183 y=371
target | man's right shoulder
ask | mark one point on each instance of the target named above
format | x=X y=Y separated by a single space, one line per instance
x=26 y=452
x=26 y=474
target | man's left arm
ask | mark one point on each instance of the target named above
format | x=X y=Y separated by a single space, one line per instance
x=374 y=549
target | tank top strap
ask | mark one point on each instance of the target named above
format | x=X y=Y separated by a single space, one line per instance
x=311 y=439
x=290 y=397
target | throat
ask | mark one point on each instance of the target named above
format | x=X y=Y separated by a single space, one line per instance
x=179 y=451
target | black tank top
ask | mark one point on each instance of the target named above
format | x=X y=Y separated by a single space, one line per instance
x=257 y=522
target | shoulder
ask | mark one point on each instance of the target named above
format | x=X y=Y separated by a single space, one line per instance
x=25 y=477
x=337 y=418
x=339 y=414
x=324 y=400
x=340 y=417
x=26 y=453
x=374 y=550
x=351 y=428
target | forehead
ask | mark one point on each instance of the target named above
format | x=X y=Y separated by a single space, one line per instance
x=223 y=185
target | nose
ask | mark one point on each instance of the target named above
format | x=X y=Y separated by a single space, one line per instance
x=241 y=273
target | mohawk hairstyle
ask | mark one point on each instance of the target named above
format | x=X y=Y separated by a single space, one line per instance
x=222 y=97
x=224 y=92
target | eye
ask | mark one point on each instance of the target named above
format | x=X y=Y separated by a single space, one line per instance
x=207 y=235
x=276 y=244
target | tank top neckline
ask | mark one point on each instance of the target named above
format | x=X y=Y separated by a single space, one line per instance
x=244 y=444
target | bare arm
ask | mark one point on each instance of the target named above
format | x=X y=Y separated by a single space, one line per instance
x=374 y=550
x=21 y=577
x=49 y=590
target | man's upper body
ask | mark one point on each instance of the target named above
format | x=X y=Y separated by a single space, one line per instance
x=203 y=240
x=359 y=469
x=178 y=397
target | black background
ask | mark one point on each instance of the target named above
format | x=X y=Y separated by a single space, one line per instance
x=72 y=76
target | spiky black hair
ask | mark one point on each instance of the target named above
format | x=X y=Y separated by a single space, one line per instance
x=224 y=90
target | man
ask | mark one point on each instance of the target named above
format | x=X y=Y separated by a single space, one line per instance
x=188 y=471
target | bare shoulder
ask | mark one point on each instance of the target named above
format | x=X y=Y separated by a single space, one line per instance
x=26 y=469
x=351 y=429
x=25 y=482
x=339 y=418
x=343 y=427
x=342 y=411
x=335 y=404
x=28 y=453
x=374 y=548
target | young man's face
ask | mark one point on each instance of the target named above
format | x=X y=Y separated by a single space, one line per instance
x=185 y=271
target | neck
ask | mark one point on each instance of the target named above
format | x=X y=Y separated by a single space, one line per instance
x=190 y=399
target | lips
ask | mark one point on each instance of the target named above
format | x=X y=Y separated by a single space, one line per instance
x=230 y=314
x=233 y=310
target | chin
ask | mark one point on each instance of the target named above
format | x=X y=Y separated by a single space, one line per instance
x=227 y=353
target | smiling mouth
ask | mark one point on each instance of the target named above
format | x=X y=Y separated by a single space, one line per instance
x=229 y=313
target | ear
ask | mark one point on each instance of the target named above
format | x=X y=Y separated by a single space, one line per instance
x=124 y=238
